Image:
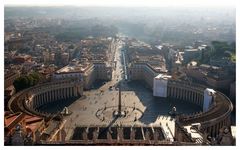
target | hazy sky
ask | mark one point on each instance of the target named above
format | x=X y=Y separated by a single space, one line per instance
x=150 y=3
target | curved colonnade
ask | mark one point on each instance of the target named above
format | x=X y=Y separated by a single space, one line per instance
x=183 y=91
x=218 y=114
x=29 y=100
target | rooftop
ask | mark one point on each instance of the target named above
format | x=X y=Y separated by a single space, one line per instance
x=74 y=68
x=162 y=76
x=194 y=133
x=191 y=50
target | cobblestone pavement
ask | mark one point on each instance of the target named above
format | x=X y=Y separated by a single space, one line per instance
x=85 y=111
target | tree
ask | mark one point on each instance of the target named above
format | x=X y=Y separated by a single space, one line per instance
x=35 y=77
x=27 y=81
x=206 y=55
x=20 y=83
x=220 y=48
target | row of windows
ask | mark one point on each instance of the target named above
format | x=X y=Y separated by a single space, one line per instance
x=67 y=76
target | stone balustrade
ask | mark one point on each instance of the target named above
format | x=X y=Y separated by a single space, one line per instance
x=218 y=114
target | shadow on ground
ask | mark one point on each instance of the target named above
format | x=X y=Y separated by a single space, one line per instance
x=157 y=106
x=58 y=106
x=97 y=84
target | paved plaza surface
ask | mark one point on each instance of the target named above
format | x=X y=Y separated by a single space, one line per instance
x=97 y=105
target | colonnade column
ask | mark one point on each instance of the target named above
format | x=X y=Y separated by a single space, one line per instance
x=41 y=97
x=41 y=101
x=66 y=93
x=221 y=124
x=59 y=94
x=50 y=98
x=180 y=94
x=194 y=97
x=168 y=91
x=56 y=94
x=67 y=90
x=173 y=90
x=62 y=93
x=196 y=100
x=177 y=93
x=46 y=96
x=75 y=91
x=199 y=98
x=51 y=95
x=185 y=94
x=211 y=131
x=217 y=128
x=37 y=102
x=80 y=90
x=214 y=130
x=190 y=95
x=70 y=91
x=34 y=102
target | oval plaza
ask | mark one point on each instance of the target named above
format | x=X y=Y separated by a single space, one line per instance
x=210 y=121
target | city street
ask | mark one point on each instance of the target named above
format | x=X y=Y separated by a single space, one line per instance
x=134 y=94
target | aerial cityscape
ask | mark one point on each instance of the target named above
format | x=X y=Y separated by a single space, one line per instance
x=163 y=76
